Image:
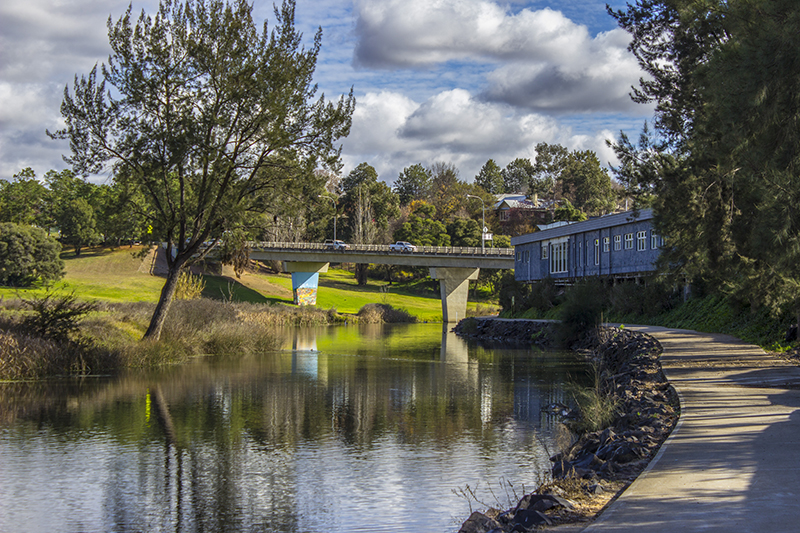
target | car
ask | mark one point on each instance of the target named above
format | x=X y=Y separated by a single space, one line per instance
x=402 y=246
x=331 y=244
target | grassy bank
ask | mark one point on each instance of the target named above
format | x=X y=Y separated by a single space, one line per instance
x=106 y=275
x=657 y=306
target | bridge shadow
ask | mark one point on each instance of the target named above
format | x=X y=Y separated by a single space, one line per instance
x=226 y=288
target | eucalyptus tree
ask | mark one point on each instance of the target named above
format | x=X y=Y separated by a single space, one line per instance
x=207 y=115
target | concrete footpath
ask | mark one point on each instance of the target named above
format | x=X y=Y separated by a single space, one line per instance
x=733 y=462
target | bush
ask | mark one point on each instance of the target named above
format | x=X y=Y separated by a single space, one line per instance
x=55 y=316
x=582 y=311
x=189 y=286
x=377 y=313
x=27 y=255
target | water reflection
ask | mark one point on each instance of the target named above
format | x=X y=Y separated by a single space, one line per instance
x=360 y=428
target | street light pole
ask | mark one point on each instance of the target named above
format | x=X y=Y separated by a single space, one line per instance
x=483 y=221
x=335 y=213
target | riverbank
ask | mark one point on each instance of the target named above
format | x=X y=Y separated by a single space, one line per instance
x=601 y=462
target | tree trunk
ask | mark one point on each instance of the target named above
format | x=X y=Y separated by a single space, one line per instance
x=164 y=301
x=361 y=273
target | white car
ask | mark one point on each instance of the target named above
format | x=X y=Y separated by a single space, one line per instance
x=402 y=246
x=331 y=244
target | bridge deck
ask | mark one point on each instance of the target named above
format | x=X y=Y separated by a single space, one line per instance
x=424 y=256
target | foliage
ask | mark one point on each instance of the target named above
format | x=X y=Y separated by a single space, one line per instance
x=190 y=286
x=597 y=408
x=412 y=184
x=368 y=203
x=518 y=175
x=587 y=183
x=207 y=117
x=422 y=231
x=447 y=192
x=234 y=250
x=23 y=199
x=490 y=179
x=77 y=224
x=55 y=316
x=582 y=311
x=547 y=168
x=379 y=313
x=464 y=232
x=27 y=255
x=726 y=186
x=568 y=212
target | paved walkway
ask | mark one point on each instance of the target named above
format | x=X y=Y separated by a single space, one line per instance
x=733 y=462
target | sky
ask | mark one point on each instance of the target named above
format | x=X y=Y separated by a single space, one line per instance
x=453 y=81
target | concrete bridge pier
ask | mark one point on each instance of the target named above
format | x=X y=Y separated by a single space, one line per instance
x=305 y=280
x=454 y=287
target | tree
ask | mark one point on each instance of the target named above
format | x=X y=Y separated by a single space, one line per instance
x=412 y=184
x=550 y=160
x=518 y=175
x=369 y=205
x=447 y=193
x=27 y=254
x=490 y=178
x=587 y=184
x=422 y=228
x=464 y=232
x=567 y=211
x=207 y=116
x=22 y=200
x=77 y=224
x=727 y=186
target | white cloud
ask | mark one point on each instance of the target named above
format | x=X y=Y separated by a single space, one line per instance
x=391 y=132
x=410 y=33
x=544 y=61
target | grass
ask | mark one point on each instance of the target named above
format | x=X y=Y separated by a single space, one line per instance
x=114 y=275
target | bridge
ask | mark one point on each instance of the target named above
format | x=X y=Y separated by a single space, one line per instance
x=453 y=266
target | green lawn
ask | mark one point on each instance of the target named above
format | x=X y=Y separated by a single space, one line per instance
x=115 y=276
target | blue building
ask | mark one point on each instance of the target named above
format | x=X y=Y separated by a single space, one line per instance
x=618 y=246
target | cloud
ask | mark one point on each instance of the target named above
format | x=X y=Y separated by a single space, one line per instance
x=418 y=33
x=543 y=61
x=391 y=131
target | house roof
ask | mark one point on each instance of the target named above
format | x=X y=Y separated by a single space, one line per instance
x=564 y=230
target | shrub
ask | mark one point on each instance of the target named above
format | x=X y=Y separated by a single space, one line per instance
x=55 y=316
x=27 y=254
x=377 y=313
x=189 y=286
x=582 y=311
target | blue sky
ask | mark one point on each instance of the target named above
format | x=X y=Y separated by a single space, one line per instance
x=456 y=81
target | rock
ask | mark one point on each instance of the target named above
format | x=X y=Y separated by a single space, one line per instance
x=529 y=518
x=479 y=523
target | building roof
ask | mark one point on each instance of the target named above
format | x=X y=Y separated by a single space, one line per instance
x=565 y=230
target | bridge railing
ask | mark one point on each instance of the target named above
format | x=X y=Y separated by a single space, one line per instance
x=384 y=249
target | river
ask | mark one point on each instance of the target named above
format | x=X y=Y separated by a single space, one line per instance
x=379 y=428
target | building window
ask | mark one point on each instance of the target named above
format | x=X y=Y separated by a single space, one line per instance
x=629 y=241
x=617 y=242
x=545 y=248
x=654 y=243
x=606 y=244
x=504 y=215
x=527 y=257
x=558 y=258
x=597 y=251
x=641 y=241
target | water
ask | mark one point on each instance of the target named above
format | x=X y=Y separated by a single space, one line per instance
x=347 y=429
